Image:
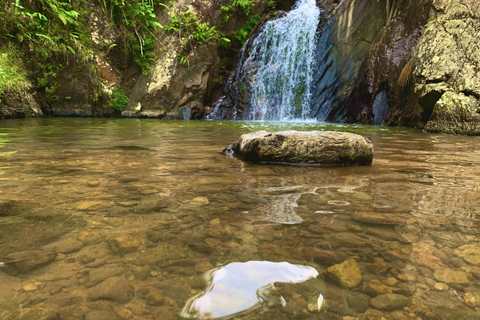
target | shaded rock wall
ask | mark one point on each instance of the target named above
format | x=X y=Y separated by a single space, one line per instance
x=422 y=70
x=19 y=106
x=379 y=97
x=343 y=43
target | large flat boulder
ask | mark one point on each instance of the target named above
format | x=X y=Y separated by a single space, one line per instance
x=315 y=148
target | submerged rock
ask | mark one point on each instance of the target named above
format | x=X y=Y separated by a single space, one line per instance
x=315 y=148
x=347 y=273
x=27 y=261
x=115 y=289
x=389 y=301
x=470 y=253
x=451 y=276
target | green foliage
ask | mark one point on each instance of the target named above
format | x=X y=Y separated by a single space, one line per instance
x=242 y=6
x=243 y=33
x=145 y=56
x=49 y=31
x=118 y=99
x=138 y=19
x=271 y=5
x=187 y=25
x=183 y=60
x=13 y=76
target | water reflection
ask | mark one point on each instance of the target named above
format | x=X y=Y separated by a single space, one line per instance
x=243 y=286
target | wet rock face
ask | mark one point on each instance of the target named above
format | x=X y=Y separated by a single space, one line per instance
x=25 y=106
x=342 y=45
x=447 y=61
x=380 y=95
x=319 y=148
x=422 y=70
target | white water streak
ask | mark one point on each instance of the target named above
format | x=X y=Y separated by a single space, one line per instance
x=284 y=53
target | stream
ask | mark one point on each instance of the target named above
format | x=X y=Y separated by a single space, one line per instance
x=147 y=219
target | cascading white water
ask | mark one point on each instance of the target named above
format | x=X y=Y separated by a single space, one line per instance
x=281 y=59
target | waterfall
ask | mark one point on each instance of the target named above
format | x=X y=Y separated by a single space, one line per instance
x=278 y=71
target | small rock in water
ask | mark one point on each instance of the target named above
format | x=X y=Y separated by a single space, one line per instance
x=200 y=201
x=38 y=314
x=96 y=276
x=347 y=273
x=203 y=266
x=148 y=191
x=441 y=286
x=361 y=196
x=378 y=267
x=389 y=301
x=472 y=299
x=358 y=302
x=93 y=184
x=378 y=218
x=375 y=287
x=30 y=287
x=141 y=272
x=116 y=289
x=470 y=253
x=64 y=246
x=155 y=298
x=26 y=261
x=338 y=203
x=451 y=276
x=90 y=205
x=126 y=244
x=100 y=315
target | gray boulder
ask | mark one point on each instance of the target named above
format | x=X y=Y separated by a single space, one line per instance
x=314 y=148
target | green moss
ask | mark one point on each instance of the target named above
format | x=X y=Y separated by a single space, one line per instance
x=13 y=76
x=118 y=99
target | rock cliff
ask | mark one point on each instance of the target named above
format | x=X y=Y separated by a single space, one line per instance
x=423 y=70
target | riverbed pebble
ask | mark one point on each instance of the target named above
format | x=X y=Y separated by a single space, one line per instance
x=203 y=266
x=27 y=261
x=116 y=289
x=67 y=245
x=30 y=287
x=470 y=253
x=124 y=244
x=93 y=183
x=100 y=315
x=451 y=276
x=378 y=218
x=347 y=273
x=389 y=301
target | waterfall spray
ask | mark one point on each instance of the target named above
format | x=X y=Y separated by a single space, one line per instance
x=280 y=64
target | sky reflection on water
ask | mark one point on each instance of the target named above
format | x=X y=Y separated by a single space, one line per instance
x=242 y=286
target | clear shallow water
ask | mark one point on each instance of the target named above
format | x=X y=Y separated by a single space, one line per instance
x=122 y=219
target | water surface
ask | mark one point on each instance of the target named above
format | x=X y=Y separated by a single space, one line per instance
x=122 y=219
